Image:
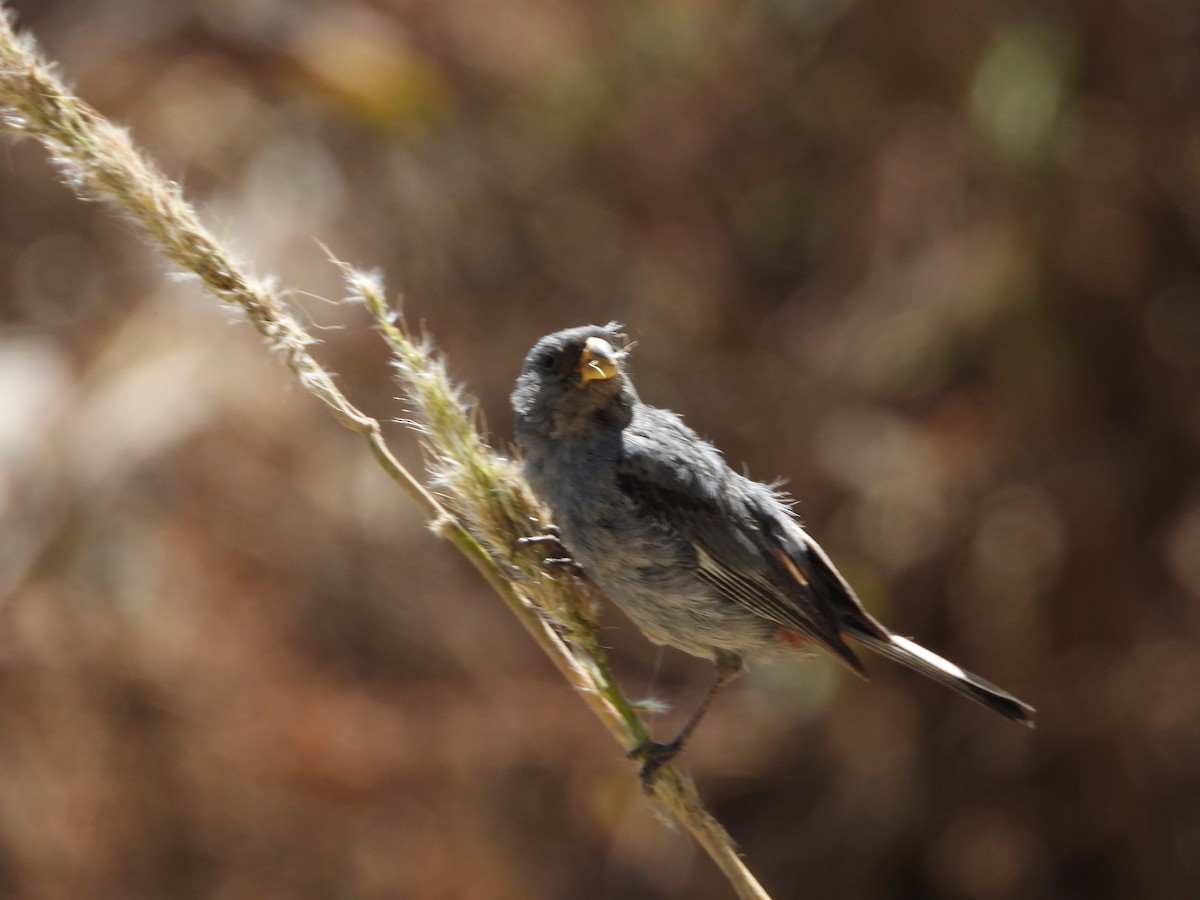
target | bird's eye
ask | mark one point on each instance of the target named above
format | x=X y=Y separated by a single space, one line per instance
x=546 y=361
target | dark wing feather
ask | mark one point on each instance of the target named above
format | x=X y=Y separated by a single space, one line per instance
x=735 y=526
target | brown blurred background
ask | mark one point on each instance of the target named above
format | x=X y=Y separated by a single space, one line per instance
x=934 y=262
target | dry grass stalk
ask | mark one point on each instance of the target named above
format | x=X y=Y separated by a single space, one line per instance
x=485 y=505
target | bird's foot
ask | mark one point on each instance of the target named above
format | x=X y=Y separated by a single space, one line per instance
x=551 y=537
x=654 y=756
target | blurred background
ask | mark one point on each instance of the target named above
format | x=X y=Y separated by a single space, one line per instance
x=934 y=262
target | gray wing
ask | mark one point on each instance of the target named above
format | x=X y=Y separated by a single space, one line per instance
x=746 y=542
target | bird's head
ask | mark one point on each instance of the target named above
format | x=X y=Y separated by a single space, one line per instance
x=574 y=380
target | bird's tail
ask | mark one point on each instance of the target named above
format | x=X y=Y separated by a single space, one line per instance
x=913 y=655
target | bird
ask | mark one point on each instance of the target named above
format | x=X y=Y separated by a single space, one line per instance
x=698 y=556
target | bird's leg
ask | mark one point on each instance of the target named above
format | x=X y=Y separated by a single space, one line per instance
x=551 y=537
x=655 y=755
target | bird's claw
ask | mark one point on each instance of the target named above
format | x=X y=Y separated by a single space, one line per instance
x=549 y=535
x=565 y=563
x=654 y=756
x=552 y=536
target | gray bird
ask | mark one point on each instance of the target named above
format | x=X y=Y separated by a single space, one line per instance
x=699 y=557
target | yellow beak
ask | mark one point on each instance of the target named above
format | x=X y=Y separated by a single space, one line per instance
x=598 y=362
